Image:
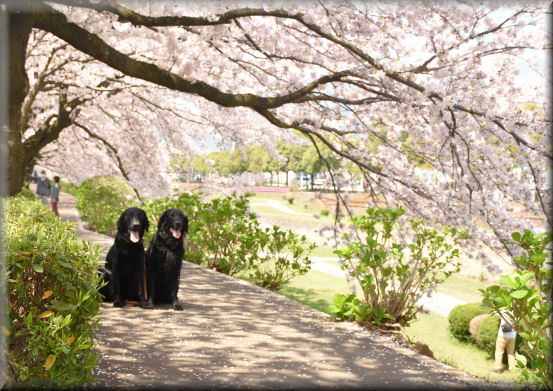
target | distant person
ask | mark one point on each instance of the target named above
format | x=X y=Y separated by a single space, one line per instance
x=506 y=337
x=35 y=176
x=55 y=197
x=43 y=187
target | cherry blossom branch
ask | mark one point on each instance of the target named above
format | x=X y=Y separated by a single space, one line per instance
x=115 y=153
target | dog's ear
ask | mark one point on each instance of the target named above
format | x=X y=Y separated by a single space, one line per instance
x=122 y=222
x=185 y=225
x=144 y=220
x=161 y=221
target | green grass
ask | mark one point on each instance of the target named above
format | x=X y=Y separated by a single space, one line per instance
x=315 y=289
x=463 y=288
x=323 y=251
x=267 y=210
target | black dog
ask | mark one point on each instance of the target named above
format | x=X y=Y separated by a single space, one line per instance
x=164 y=259
x=124 y=268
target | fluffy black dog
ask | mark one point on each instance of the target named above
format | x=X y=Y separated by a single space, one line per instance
x=164 y=259
x=124 y=267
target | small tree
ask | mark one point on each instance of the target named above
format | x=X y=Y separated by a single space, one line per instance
x=393 y=276
x=524 y=301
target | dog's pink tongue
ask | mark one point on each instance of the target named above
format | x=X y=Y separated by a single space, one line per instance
x=176 y=233
x=134 y=236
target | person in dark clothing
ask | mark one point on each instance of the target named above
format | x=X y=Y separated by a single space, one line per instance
x=43 y=187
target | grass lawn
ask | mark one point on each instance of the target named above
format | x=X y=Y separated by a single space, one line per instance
x=324 y=251
x=315 y=289
x=307 y=209
x=463 y=288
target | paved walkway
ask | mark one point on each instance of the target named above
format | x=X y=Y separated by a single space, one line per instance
x=235 y=335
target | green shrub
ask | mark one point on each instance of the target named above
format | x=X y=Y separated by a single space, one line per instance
x=286 y=256
x=52 y=292
x=393 y=276
x=69 y=188
x=291 y=200
x=459 y=319
x=249 y=194
x=325 y=212
x=224 y=235
x=26 y=192
x=101 y=200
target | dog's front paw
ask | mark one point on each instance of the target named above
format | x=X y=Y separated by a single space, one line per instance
x=177 y=307
x=118 y=303
x=147 y=305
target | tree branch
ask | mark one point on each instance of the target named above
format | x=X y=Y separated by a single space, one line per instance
x=115 y=153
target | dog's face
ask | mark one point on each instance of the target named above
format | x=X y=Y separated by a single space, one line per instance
x=132 y=223
x=174 y=223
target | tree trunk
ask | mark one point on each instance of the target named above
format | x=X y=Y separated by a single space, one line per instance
x=19 y=158
x=286 y=178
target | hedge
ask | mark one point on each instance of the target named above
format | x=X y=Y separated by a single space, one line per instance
x=52 y=298
x=459 y=319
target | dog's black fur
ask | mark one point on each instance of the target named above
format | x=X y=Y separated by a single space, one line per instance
x=124 y=267
x=164 y=259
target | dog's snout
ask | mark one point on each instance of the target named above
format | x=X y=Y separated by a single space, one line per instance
x=135 y=225
x=178 y=225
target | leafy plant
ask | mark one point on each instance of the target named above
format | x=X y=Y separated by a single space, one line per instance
x=52 y=298
x=100 y=201
x=523 y=300
x=349 y=307
x=286 y=256
x=225 y=235
x=393 y=276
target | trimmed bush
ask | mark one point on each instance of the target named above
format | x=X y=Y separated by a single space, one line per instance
x=459 y=319
x=52 y=289
x=100 y=201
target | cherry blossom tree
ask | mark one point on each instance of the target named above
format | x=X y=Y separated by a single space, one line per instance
x=118 y=87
